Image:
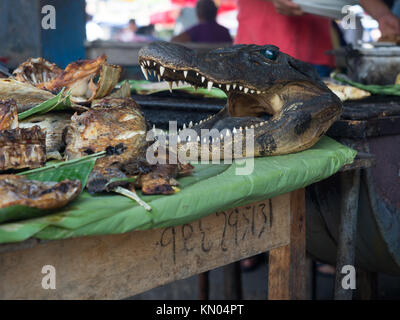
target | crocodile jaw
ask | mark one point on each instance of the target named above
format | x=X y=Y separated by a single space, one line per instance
x=242 y=100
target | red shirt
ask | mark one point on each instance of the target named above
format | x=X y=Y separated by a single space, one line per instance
x=305 y=37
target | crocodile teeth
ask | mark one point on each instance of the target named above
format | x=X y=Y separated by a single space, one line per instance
x=170 y=86
x=189 y=138
x=198 y=139
x=228 y=134
x=258 y=92
x=144 y=70
x=234 y=86
x=162 y=69
x=185 y=73
x=148 y=62
x=179 y=140
x=209 y=85
x=240 y=87
x=159 y=77
x=173 y=70
x=246 y=90
x=227 y=87
x=197 y=74
x=184 y=126
x=222 y=136
x=234 y=130
x=190 y=124
x=252 y=91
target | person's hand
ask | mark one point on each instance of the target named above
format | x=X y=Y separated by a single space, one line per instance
x=287 y=7
x=389 y=25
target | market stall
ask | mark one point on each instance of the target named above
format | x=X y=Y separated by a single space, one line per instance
x=126 y=171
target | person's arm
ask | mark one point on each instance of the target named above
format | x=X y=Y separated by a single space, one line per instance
x=389 y=24
x=287 y=7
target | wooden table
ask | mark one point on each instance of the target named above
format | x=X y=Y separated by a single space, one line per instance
x=119 y=266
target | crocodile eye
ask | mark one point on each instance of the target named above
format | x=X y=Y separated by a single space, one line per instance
x=269 y=54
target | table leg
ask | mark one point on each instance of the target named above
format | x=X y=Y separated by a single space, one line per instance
x=287 y=264
x=203 y=286
x=367 y=285
x=350 y=184
x=233 y=281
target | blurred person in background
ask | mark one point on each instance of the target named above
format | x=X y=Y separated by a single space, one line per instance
x=93 y=30
x=147 y=32
x=282 y=23
x=304 y=36
x=129 y=34
x=187 y=18
x=207 y=30
x=380 y=10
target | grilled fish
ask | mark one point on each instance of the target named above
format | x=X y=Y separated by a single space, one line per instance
x=111 y=123
x=8 y=115
x=53 y=124
x=36 y=71
x=19 y=147
x=25 y=95
x=117 y=126
x=114 y=125
x=18 y=190
x=78 y=77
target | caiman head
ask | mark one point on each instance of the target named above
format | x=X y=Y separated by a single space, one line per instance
x=281 y=98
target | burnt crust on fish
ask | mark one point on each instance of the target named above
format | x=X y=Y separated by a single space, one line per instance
x=281 y=98
x=19 y=147
x=118 y=127
x=22 y=148
x=115 y=126
x=8 y=114
x=18 y=190
x=53 y=124
x=105 y=126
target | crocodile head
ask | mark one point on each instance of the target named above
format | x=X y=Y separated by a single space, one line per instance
x=281 y=98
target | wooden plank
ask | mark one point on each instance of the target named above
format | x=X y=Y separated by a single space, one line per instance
x=361 y=161
x=118 y=266
x=287 y=264
x=357 y=129
x=346 y=251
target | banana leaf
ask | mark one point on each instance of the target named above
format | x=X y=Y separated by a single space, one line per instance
x=147 y=87
x=390 y=89
x=59 y=102
x=212 y=187
x=57 y=171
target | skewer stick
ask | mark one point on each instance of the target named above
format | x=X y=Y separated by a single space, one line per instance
x=133 y=196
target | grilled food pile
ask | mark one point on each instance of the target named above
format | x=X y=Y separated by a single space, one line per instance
x=101 y=118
